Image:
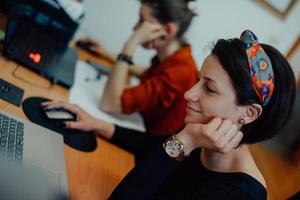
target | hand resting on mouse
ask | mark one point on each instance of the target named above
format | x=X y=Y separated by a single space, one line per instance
x=84 y=121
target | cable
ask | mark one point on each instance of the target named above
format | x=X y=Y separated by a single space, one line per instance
x=29 y=82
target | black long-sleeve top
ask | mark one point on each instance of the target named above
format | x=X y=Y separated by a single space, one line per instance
x=157 y=176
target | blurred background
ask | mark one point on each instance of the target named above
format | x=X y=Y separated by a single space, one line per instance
x=111 y=23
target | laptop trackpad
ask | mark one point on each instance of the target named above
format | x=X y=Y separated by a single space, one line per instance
x=29 y=182
x=45 y=182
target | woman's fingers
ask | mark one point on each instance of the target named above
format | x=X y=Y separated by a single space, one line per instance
x=149 y=31
x=55 y=105
x=157 y=34
x=212 y=126
x=222 y=135
x=73 y=125
x=234 y=142
x=226 y=137
x=223 y=129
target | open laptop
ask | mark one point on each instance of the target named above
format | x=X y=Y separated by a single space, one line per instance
x=37 y=37
x=40 y=151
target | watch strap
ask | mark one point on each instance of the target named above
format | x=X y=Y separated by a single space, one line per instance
x=125 y=58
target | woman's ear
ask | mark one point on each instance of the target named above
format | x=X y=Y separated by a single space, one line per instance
x=251 y=113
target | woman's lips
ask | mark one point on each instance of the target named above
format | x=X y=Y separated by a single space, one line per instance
x=188 y=108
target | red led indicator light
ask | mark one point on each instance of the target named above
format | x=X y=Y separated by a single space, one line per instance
x=35 y=57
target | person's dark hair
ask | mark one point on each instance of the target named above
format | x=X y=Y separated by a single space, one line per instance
x=232 y=56
x=176 y=11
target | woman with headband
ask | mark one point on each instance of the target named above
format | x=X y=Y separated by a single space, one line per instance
x=244 y=95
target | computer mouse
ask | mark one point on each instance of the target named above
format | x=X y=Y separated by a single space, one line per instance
x=84 y=44
x=60 y=114
x=87 y=46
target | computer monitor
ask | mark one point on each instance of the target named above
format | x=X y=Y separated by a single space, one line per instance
x=5 y=5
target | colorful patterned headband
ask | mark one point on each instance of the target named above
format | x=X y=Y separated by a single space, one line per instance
x=260 y=67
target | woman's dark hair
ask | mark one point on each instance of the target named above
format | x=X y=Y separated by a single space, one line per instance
x=176 y=11
x=232 y=55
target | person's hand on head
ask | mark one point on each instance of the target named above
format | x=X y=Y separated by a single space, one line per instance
x=147 y=32
x=217 y=135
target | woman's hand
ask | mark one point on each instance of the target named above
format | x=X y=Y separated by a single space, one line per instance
x=217 y=135
x=144 y=33
x=147 y=32
x=84 y=121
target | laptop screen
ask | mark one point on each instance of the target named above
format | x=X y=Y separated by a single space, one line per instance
x=45 y=14
x=4 y=5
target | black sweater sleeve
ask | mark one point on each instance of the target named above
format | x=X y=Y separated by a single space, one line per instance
x=136 y=142
x=146 y=177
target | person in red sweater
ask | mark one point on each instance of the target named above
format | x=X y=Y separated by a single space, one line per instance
x=159 y=97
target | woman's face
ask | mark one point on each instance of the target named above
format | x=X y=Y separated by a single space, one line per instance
x=212 y=96
x=146 y=14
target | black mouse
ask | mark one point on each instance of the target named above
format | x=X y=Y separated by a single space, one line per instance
x=87 y=46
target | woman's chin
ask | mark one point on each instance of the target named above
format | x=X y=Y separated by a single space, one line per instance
x=190 y=119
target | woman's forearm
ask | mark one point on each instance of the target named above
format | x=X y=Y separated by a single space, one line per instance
x=117 y=81
x=104 y=129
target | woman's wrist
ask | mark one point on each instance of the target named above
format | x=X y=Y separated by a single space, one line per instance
x=188 y=142
x=130 y=46
x=104 y=129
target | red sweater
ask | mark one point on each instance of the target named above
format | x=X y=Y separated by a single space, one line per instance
x=159 y=97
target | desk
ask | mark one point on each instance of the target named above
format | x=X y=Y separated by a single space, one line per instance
x=90 y=175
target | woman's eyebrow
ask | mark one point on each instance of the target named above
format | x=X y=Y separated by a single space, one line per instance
x=209 y=79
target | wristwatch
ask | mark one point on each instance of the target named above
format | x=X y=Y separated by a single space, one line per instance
x=125 y=58
x=174 y=148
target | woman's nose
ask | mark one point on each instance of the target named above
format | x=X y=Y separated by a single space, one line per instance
x=193 y=94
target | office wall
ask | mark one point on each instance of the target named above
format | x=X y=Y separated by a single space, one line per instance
x=111 y=22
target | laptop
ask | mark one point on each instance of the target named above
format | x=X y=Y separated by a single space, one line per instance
x=37 y=36
x=40 y=152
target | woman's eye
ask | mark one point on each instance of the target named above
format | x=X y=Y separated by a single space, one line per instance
x=209 y=90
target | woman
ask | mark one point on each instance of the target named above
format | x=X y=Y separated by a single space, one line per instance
x=161 y=27
x=244 y=87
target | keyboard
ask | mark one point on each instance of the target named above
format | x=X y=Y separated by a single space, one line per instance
x=11 y=139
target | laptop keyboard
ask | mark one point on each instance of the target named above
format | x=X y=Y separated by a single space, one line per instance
x=11 y=138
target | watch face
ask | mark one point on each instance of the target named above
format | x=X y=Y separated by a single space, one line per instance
x=173 y=148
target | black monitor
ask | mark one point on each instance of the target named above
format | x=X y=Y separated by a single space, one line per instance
x=5 y=5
